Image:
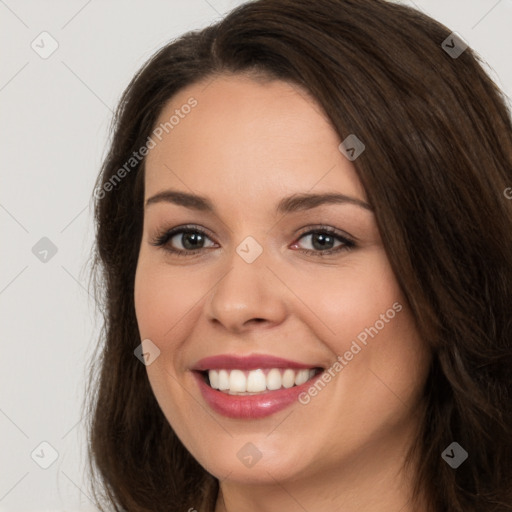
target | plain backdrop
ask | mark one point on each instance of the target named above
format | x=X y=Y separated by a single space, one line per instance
x=56 y=111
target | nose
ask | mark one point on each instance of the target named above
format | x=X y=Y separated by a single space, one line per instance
x=248 y=294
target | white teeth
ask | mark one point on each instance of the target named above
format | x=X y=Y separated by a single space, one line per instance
x=214 y=379
x=237 y=381
x=257 y=381
x=301 y=377
x=288 y=378
x=223 y=380
x=274 y=380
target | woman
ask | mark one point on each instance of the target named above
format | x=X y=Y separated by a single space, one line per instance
x=240 y=371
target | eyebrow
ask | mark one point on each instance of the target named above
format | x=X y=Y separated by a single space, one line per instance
x=293 y=203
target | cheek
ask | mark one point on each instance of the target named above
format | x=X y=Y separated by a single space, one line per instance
x=364 y=318
x=162 y=300
x=331 y=306
x=350 y=299
x=338 y=302
x=163 y=297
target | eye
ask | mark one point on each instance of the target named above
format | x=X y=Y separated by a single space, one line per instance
x=190 y=238
x=193 y=238
x=322 y=240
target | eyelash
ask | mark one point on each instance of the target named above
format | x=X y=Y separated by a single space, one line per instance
x=162 y=239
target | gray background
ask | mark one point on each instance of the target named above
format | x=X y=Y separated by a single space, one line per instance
x=55 y=116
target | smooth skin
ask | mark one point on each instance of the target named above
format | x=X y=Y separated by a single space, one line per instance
x=246 y=145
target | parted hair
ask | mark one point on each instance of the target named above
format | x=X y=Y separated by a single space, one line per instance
x=438 y=158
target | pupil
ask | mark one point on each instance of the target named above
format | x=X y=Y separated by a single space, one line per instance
x=322 y=238
x=194 y=236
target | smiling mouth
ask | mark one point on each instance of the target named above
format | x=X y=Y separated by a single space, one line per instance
x=257 y=382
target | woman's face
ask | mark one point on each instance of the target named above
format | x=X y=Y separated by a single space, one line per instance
x=258 y=154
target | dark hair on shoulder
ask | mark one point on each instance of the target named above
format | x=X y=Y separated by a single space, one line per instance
x=438 y=158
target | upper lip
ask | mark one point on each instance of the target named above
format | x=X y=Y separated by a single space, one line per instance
x=248 y=362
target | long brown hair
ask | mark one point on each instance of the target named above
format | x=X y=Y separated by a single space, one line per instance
x=438 y=158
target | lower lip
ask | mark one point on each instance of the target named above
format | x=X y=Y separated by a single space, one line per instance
x=250 y=406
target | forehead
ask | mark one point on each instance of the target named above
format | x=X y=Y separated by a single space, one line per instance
x=245 y=135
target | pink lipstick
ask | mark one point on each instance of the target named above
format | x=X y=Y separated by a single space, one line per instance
x=251 y=387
